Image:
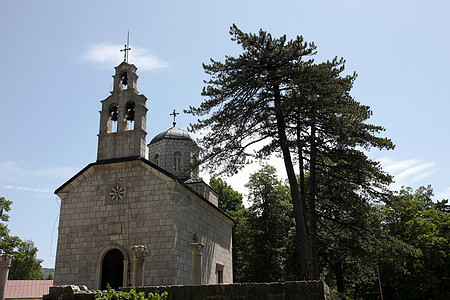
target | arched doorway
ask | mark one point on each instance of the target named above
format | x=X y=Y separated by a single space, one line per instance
x=112 y=269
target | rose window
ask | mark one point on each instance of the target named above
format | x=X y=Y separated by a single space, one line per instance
x=116 y=192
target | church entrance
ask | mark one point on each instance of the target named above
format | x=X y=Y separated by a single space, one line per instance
x=112 y=269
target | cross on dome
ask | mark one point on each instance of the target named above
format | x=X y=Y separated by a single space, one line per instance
x=174 y=114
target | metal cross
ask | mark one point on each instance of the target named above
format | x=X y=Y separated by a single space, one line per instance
x=174 y=114
x=126 y=48
x=125 y=55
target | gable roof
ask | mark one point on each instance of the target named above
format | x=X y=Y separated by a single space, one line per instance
x=27 y=289
x=147 y=162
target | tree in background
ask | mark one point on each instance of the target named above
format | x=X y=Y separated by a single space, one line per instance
x=406 y=239
x=270 y=219
x=424 y=226
x=273 y=95
x=230 y=200
x=25 y=264
x=349 y=237
x=264 y=236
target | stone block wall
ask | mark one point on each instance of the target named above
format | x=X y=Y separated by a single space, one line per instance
x=212 y=229
x=157 y=212
x=301 y=290
x=121 y=144
x=90 y=226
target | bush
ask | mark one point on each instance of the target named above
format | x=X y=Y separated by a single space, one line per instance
x=112 y=294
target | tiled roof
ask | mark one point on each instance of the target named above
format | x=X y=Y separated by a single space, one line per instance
x=27 y=289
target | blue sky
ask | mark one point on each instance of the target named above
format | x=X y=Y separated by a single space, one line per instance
x=59 y=56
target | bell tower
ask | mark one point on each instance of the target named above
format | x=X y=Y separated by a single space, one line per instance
x=123 y=117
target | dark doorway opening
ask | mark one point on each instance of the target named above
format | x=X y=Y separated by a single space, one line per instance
x=112 y=269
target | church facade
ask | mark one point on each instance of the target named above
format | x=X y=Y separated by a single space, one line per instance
x=128 y=220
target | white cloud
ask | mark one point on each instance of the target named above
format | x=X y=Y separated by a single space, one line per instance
x=415 y=172
x=58 y=172
x=107 y=54
x=392 y=166
x=407 y=172
x=26 y=189
x=10 y=170
x=20 y=177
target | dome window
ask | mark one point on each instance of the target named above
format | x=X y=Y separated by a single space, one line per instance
x=176 y=161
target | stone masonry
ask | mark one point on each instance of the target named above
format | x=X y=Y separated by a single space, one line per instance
x=299 y=290
x=158 y=212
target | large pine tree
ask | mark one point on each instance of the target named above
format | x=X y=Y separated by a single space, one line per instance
x=273 y=97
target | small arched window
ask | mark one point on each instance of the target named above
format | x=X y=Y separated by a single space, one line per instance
x=176 y=161
x=156 y=159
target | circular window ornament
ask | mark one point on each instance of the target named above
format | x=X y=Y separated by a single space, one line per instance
x=116 y=192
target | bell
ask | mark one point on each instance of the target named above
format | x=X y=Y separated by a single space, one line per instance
x=130 y=115
x=124 y=79
x=114 y=115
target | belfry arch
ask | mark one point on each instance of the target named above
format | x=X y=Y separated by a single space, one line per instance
x=113 y=117
x=130 y=112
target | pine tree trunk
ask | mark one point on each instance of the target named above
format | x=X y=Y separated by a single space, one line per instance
x=312 y=225
x=301 y=168
x=299 y=209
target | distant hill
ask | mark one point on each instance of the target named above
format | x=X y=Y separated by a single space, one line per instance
x=47 y=271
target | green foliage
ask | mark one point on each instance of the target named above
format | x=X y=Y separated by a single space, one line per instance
x=26 y=265
x=230 y=200
x=407 y=239
x=5 y=206
x=422 y=225
x=270 y=218
x=48 y=273
x=264 y=236
x=7 y=242
x=112 y=294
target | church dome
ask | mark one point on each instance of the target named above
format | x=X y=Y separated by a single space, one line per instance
x=173 y=133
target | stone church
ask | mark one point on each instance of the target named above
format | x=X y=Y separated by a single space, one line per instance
x=128 y=220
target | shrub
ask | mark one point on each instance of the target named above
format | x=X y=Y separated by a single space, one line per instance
x=112 y=294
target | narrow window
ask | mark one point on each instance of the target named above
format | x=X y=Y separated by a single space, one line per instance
x=176 y=161
x=156 y=159
x=219 y=273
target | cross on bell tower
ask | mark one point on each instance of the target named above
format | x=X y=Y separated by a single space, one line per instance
x=126 y=48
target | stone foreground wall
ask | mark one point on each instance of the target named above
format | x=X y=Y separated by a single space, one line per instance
x=302 y=290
